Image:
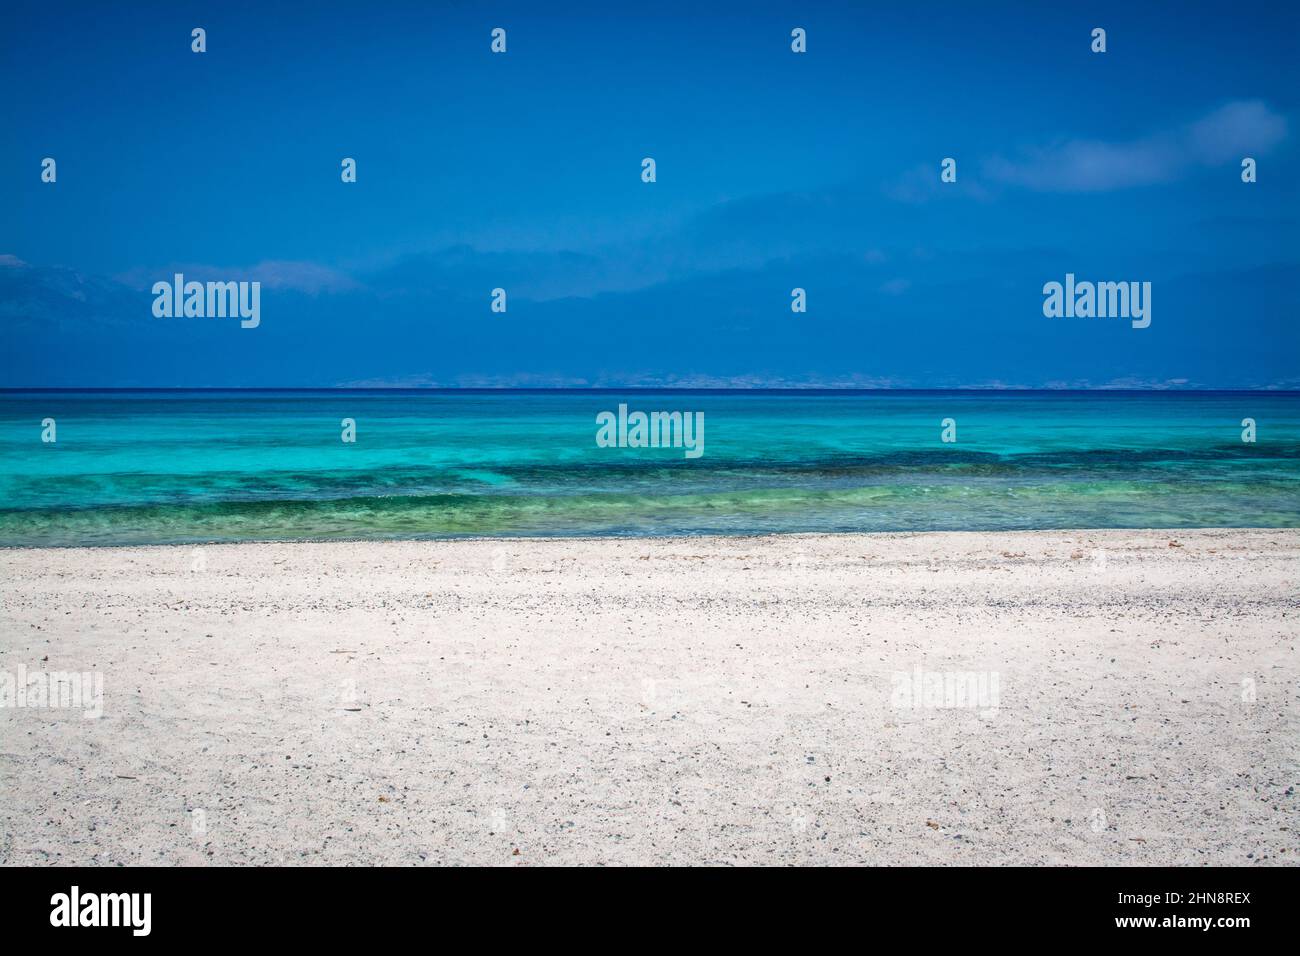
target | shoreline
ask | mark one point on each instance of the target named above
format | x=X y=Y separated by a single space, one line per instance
x=767 y=699
x=671 y=536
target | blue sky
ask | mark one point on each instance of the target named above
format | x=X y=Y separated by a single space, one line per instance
x=775 y=170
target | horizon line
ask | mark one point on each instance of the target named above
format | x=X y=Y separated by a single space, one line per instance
x=652 y=388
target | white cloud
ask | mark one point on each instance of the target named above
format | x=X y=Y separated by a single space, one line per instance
x=1237 y=129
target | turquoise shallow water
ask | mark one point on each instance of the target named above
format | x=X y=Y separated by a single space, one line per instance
x=178 y=467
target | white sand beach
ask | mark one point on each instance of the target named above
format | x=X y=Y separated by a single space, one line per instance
x=679 y=701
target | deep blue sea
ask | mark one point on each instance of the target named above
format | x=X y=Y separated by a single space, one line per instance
x=178 y=467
